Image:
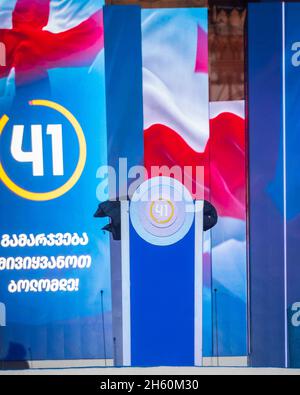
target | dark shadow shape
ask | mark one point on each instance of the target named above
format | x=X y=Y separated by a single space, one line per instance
x=15 y=358
x=112 y=209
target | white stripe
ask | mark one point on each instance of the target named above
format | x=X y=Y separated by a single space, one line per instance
x=284 y=187
x=236 y=107
x=125 y=254
x=198 y=335
x=67 y=14
x=2 y=315
x=6 y=9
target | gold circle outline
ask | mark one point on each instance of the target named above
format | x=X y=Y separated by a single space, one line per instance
x=44 y=196
x=166 y=220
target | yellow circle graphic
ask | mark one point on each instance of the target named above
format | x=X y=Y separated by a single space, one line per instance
x=165 y=221
x=44 y=196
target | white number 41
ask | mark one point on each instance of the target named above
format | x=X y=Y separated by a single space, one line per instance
x=35 y=156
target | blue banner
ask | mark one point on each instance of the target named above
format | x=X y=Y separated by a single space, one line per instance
x=292 y=125
x=274 y=184
x=54 y=258
x=125 y=139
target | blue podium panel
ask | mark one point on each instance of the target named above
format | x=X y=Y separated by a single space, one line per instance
x=162 y=276
x=162 y=302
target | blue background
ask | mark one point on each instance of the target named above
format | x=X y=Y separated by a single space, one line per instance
x=58 y=325
x=267 y=244
x=162 y=302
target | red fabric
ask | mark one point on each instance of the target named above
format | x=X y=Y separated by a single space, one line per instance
x=33 y=13
x=33 y=51
x=202 y=52
x=223 y=160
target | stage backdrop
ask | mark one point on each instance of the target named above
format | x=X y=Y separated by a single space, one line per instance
x=54 y=259
x=174 y=111
x=50 y=120
x=274 y=133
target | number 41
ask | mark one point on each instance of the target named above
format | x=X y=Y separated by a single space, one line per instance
x=36 y=156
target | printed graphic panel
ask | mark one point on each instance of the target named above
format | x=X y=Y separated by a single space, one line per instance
x=54 y=258
x=273 y=133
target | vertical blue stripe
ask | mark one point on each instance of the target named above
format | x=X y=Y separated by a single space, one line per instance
x=124 y=106
x=266 y=208
x=293 y=175
x=124 y=93
x=162 y=302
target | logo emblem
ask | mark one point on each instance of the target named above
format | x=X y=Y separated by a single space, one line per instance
x=162 y=211
x=36 y=155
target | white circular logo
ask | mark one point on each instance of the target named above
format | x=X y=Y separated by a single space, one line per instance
x=162 y=211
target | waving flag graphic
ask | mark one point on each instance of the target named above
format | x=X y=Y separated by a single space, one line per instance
x=44 y=34
x=176 y=96
x=57 y=42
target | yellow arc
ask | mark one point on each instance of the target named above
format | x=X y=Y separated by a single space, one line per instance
x=162 y=221
x=44 y=196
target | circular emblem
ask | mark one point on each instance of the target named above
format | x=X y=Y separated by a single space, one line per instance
x=44 y=196
x=162 y=211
